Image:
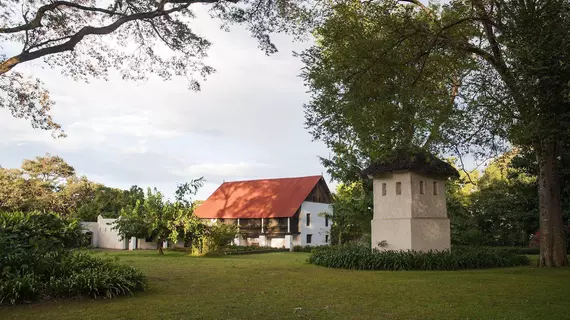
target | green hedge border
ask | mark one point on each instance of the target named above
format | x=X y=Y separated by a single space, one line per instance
x=363 y=258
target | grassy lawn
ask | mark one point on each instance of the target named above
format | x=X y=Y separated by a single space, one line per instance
x=283 y=286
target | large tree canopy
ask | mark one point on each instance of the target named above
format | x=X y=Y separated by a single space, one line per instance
x=89 y=38
x=467 y=76
x=49 y=184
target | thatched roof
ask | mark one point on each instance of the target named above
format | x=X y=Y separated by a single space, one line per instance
x=423 y=163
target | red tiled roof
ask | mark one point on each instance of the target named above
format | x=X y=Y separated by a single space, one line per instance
x=268 y=198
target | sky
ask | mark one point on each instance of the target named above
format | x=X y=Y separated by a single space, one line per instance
x=247 y=122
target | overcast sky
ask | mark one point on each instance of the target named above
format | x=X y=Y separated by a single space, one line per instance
x=247 y=122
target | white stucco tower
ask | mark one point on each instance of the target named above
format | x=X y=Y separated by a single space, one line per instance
x=409 y=203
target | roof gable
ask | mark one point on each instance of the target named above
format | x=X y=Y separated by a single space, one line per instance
x=267 y=198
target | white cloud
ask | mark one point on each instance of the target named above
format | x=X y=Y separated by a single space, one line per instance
x=223 y=169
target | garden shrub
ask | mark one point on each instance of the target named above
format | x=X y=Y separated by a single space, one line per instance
x=65 y=274
x=305 y=248
x=38 y=231
x=364 y=258
x=238 y=250
x=219 y=235
x=517 y=250
x=38 y=261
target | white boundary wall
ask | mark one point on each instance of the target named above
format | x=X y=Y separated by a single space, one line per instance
x=103 y=236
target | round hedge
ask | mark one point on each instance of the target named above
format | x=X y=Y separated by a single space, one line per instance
x=363 y=258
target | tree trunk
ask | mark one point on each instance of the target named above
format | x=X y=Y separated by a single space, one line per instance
x=159 y=247
x=552 y=237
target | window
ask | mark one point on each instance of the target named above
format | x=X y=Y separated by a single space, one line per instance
x=435 y=188
x=422 y=187
x=398 y=188
x=326 y=221
x=308 y=219
x=326 y=238
x=383 y=189
x=309 y=238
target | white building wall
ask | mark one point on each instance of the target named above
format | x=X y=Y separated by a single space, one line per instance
x=107 y=237
x=143 y=245
x=277 y=242
x=392 y=205
x=92 y=227
x=104 y=237
x=428 y=204
x=317 y=226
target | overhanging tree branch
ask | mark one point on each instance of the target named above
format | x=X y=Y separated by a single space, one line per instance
x=77 y=37
x=37 y=21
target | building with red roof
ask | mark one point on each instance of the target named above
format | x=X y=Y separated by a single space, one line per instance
x=280 y=212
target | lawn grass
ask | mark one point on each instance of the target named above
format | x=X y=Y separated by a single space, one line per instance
x=283 y=286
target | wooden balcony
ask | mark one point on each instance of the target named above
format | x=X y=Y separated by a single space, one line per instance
x=271 y=226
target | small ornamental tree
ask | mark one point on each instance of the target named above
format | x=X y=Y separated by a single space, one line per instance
x=158 y=219
x=148 y=219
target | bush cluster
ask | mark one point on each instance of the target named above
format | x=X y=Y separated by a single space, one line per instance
x=233 y=250
x=363 y=258
x=517 y=250
x=39 y=260
x=305 y=248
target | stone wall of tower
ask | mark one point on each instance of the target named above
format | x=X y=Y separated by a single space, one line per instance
x=409 y=213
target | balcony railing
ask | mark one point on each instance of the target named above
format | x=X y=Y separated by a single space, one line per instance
x=269 y=226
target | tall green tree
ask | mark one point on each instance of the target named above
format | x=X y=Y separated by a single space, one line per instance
x=45 y=184
x=50 y=170
x=137 y=38
x=467 y=76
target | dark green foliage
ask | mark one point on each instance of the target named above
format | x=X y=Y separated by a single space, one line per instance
x=363 y=258
x=108 y=202
x=38 y=232
x=498 y=208
x=306 y=248
x=37 y=262
x=237 y=250
x=516 y=250
x=64 y=274
x=352 y=207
